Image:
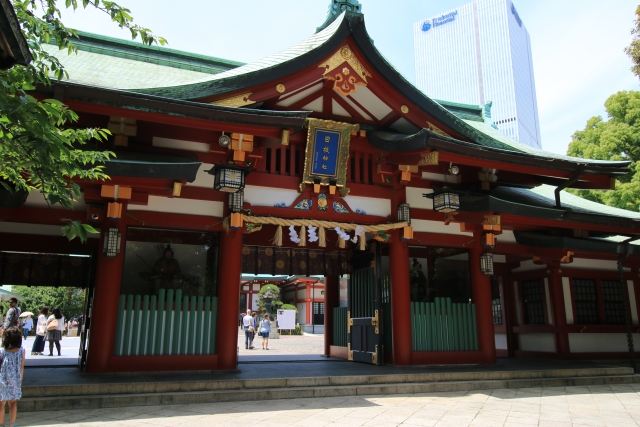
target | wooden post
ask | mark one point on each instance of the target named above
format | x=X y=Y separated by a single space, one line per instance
x=481 y=296
x=331 y=301
x=559 y=313
x=400 y=299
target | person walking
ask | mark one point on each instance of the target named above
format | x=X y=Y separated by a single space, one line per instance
x=265 y=329
x=11 y=372
x=27 y=325
x=55 y=325
x=247 y=323
x=255 y=329
x=13 y=314
x=41 y=332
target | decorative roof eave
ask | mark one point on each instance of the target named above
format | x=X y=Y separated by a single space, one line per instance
x=10 y=29
x=426 y=139
x=156 y=104
x=488 y=203
x=546 y=241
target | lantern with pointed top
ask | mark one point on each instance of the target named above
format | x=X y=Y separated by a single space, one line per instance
x=112 y=242
x=486 y=263
x=446 y=200
x=228 y=178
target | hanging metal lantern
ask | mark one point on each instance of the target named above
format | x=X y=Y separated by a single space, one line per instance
x=228 y=178
x=446 y=200
x=404 y=213
x=112 y=242
x=236 y=201
x=486 y=263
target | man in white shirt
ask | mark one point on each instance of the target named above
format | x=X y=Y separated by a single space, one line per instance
x=247 y=321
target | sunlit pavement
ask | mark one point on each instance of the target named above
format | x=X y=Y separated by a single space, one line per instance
x=562 y=406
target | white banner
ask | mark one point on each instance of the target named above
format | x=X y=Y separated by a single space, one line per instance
x=286 y=319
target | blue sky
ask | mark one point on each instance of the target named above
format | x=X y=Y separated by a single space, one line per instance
x=577 y=45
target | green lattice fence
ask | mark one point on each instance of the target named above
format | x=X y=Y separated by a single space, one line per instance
x=169 y=324
x=340 y=326
x=443 y=326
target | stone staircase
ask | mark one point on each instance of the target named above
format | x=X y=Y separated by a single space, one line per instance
x=112 y=395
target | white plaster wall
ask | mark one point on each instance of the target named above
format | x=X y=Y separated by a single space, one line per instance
x=269 y=196
x=427 y=226
x=254 y=302
x=501 y=341
x=203 y=178
x=593 y=264
x=256 y=287
x=548 y=298
x=318 y=293
x=528 y=266
x=537 y=342
x=180 y=144
x=416 y=199
x=507 y=236
x=632 y=299
x=181 y=206
x=372 y=206
x=568 y=303
x=302 y=294
x=499 y=259
x=39 y=229
x=598 y=343
x=36 y=200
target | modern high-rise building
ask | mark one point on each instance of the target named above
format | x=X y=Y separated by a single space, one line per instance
x=478 y=53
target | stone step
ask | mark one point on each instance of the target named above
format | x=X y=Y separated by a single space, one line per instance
x=105 y=388
x=310 y=390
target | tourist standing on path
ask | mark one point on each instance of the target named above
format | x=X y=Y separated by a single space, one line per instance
x=249 y=328
x=54 y=334
x=255 y=329
x=11 y=372
x=13 y=315
x=41 y=332
x=265 y=329
x=27 y=325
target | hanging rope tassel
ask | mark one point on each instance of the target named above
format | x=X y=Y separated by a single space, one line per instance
x=363 y=242
x=322 y=237
x=225 y=224
x=277 y=239
x=303 y=236
x=341 y=243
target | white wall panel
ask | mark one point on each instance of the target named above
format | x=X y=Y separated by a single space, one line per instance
x=568 y=303
x=537 y=342
x=416 y=199
x=501 y=341
x=438 y=227
x=269 y=196
x=181 y=206
x=598 y=343
x=372 y=206
x=593 y=264
x=301 y=294
x=180 y=145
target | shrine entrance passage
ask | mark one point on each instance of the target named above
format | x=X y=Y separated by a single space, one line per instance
x=70 y=271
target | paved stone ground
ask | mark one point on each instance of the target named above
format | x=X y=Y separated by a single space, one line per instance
x=286 y=344
x=617 y=406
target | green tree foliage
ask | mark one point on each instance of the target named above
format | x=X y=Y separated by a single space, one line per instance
x=40 y=148
x=269 y=290
x=617 y=138
x=70 y=300
x=633 y=50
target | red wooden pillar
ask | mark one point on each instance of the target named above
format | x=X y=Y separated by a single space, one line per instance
x=104 y=314
x=308 y=299
x=331 y=301
x=559 y=313
x=400 y=299
x=229 y=274
x=481 y=295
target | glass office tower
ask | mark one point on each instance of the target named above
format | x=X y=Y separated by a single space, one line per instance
x=477 y=53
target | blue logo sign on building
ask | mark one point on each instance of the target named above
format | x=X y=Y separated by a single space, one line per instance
x=440 y=20
x=515 y=14
x=325 y=156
